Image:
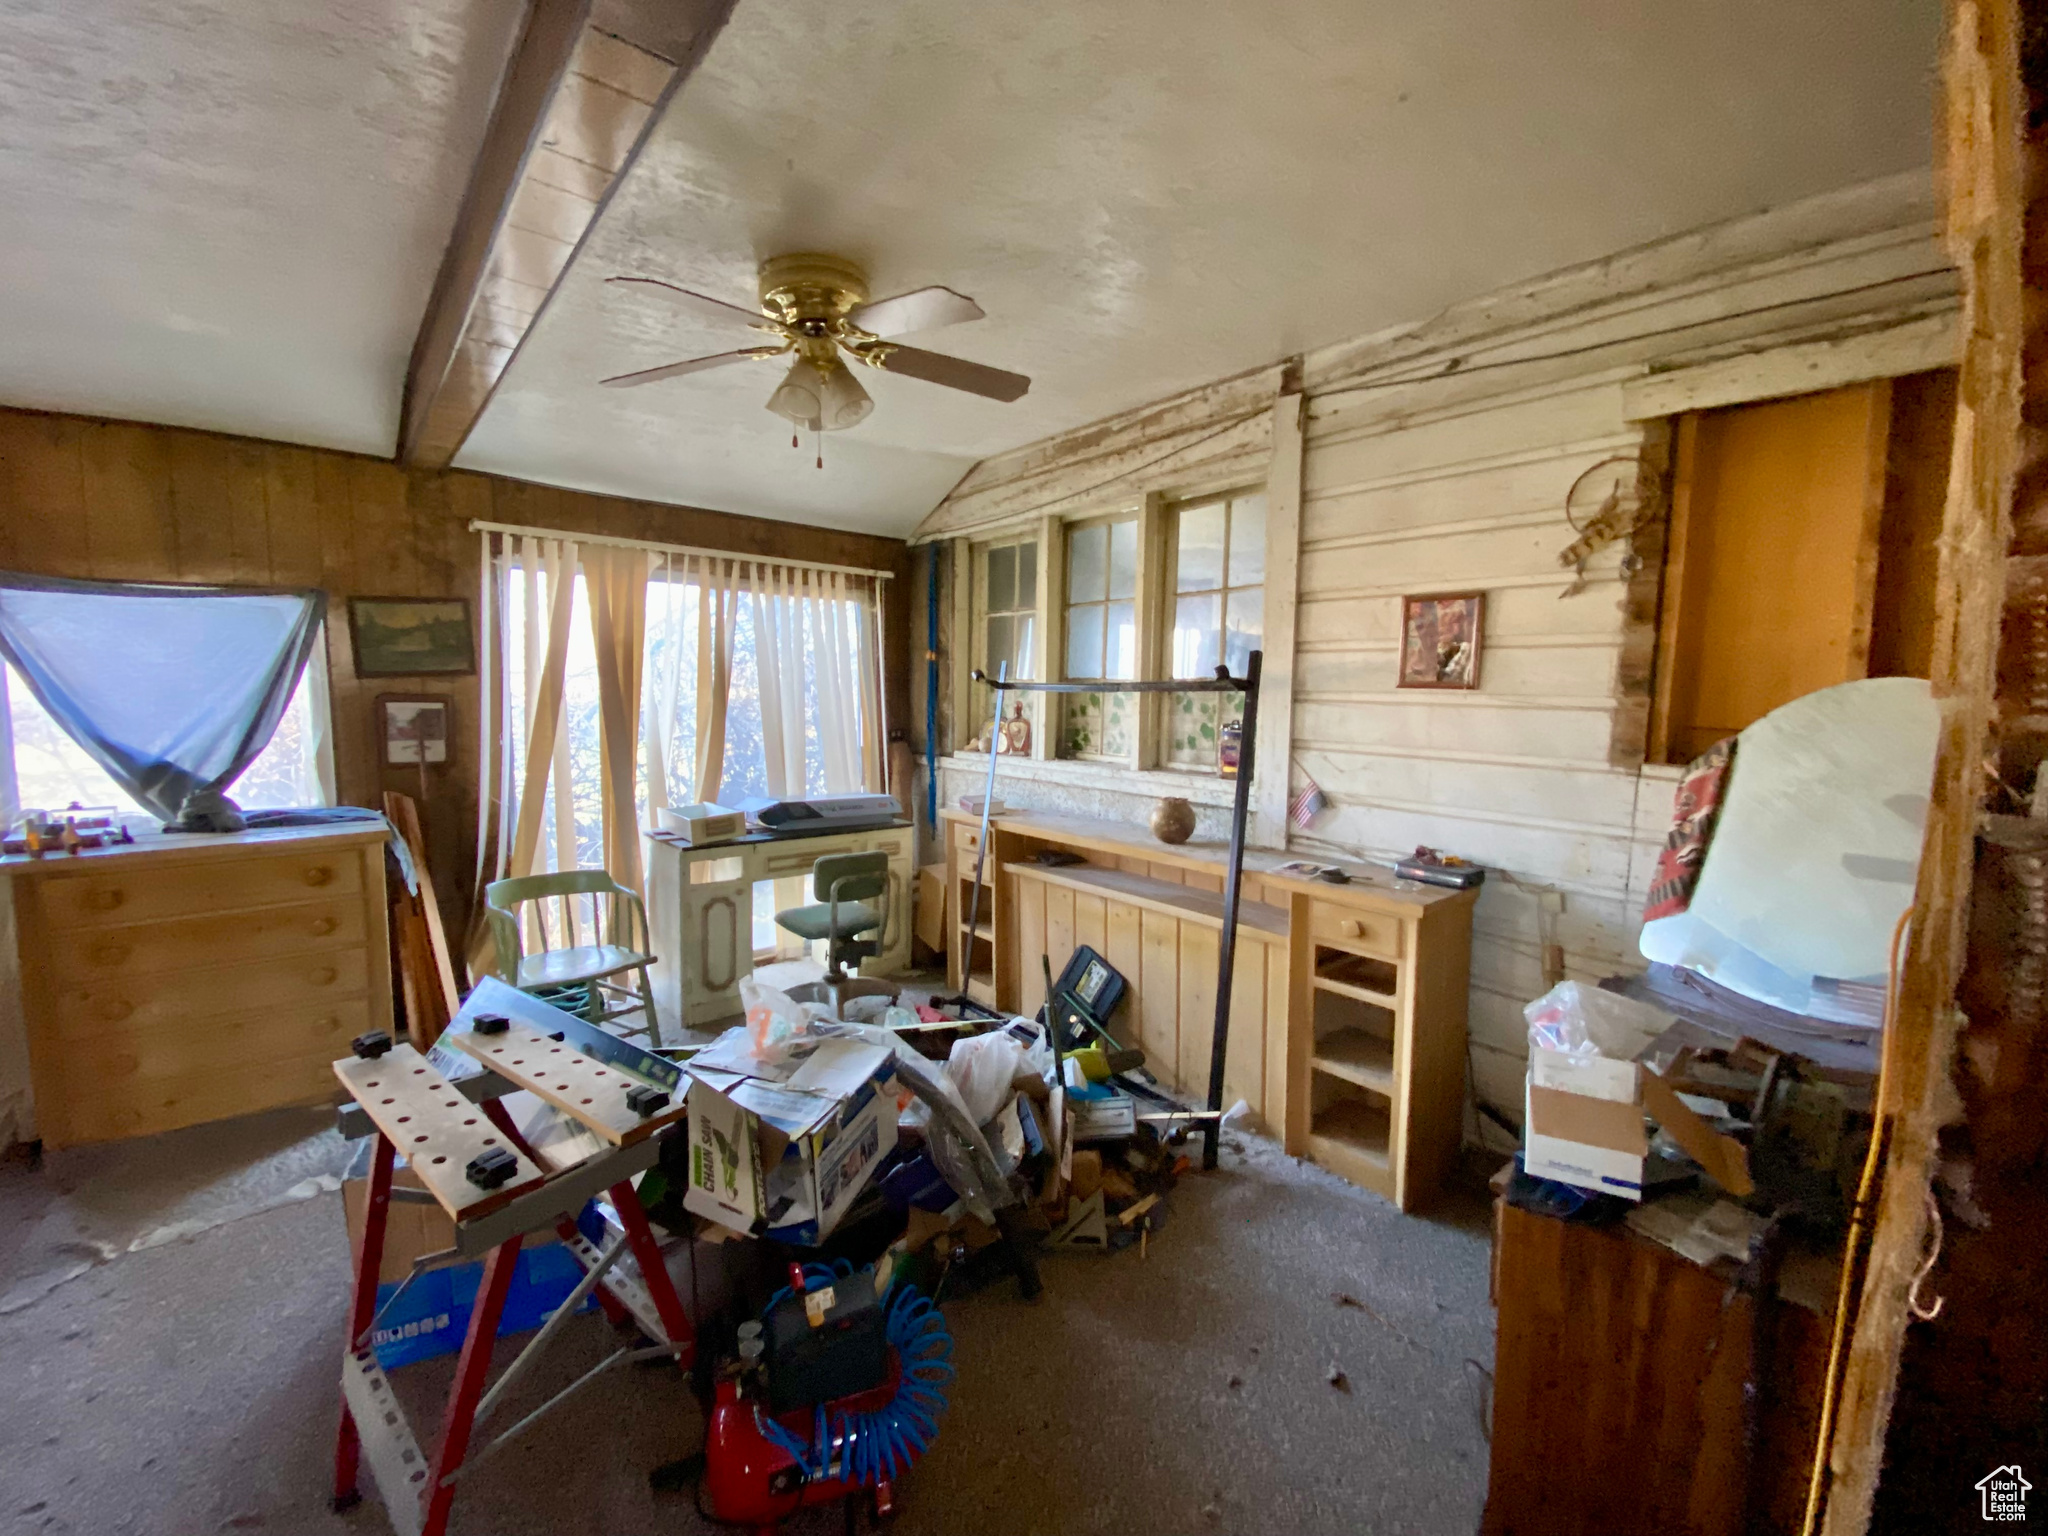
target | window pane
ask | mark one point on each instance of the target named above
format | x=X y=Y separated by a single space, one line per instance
x=1001 y=645
x=1024 y=627
x=1247 y=627
x=1194 y=635
x=1002 y=579
x=1027 y=575
x=1084 y=642
x=1123 y=559
x=1200 y=564
x=1087 y=562
x=1123 y=641
x=1247 y=541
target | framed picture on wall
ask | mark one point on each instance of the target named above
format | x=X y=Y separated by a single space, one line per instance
x=411 y=636
x=1440 y=639
x=415 y=728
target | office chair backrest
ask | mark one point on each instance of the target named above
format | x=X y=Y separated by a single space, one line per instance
x=858 y=876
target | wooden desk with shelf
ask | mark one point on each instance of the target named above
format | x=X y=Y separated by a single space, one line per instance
x=1347 y=1018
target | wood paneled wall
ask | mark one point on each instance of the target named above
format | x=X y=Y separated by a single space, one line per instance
x=126 y=501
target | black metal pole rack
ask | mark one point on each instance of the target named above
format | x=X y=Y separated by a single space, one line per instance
x=1240 y=809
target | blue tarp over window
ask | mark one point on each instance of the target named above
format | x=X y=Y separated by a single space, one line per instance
x=169 y=688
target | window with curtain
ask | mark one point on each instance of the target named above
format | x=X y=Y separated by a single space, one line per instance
x=755 y=679
x=52 y=771
x=1219 y=615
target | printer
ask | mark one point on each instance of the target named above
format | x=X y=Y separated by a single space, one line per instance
x=825 y=813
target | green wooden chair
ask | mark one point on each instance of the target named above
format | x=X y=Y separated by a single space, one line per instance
x=585 y=978
x=844 y=885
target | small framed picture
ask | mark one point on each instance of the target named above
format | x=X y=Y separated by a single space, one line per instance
x=411 y=636
x=1440 y=638
x=416 y=728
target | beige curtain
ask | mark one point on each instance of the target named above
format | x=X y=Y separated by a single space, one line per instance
x=779 y=664
x=717 y=612
x=513 y=795
x=662 y=693
x=616 y=579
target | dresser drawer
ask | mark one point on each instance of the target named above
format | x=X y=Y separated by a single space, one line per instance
x=1369 y=933
x=184 y=890
x=188 y=943
x=84 y=1008
x=104 y=1111
x=262 y=1036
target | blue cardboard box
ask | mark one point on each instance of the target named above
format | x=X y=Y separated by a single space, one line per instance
x=432 y=1317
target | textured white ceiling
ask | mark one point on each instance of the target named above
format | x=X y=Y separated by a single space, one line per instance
x=1150 y=194
x=229 y=214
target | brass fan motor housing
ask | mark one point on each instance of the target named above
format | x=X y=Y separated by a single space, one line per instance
x=808 y=295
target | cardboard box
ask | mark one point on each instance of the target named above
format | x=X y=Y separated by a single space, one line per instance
x=1596 y=1077
x=432 y=1318
x=783 y=1150
x=1597 y=1144
x=930 y=927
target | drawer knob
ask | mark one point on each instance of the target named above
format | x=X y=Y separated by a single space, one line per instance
x=324 y=925
x=324 y=976
x=109 y=954
x=1353 y=928
x=104 y=899
x=115 y=1009
x=319 y=874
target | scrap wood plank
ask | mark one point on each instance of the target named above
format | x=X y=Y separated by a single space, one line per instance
x=437 y=1130
x=582 y=1087
x=431 y=996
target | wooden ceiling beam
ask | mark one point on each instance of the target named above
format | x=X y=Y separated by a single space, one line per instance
x=587 y=82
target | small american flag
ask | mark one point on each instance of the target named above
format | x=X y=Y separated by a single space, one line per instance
x=1307 y=804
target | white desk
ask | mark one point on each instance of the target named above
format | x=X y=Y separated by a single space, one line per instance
x=700 y=904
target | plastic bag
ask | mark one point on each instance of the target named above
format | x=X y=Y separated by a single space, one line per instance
x=1584 y=1021
x=774 y=1019
x=984 y=1068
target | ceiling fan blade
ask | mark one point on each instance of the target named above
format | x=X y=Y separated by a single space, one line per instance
x=925 y=309
x=698 y=304
x=956 y=373
x=677 y=370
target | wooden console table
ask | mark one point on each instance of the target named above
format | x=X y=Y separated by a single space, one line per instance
x=1347 y=1017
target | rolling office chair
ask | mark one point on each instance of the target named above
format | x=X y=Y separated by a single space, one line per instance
x=845 y=884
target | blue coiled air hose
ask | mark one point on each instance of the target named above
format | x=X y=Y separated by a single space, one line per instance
x=884 y=1442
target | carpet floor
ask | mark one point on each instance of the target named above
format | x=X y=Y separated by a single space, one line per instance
x=191 y=1386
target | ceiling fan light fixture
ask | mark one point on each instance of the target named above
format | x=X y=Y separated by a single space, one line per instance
x=796 y=397
x=822 y=396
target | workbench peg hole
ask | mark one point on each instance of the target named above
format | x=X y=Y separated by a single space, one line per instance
x=418 y=1139
x=470 y=1121
x=387 y=1101
x=490 y=1141
x=440 y=1159
x=589 y=1101
x=403 y=1118
x=419 y=1071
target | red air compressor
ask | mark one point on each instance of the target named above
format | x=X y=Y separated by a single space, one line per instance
x=839 y=1390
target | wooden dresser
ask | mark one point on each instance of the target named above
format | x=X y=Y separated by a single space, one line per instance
x=192 y=978
x=1347 y=1013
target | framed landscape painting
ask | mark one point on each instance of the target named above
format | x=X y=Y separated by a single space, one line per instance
x=411 y=636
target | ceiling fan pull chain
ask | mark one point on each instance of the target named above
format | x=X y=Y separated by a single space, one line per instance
x=818 y=434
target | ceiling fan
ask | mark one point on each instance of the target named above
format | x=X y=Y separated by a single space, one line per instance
x=816 y=307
